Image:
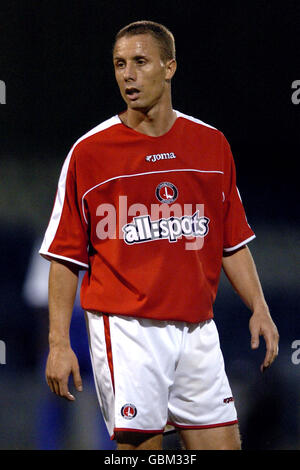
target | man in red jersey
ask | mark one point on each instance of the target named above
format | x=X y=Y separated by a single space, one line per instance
x=147 y=204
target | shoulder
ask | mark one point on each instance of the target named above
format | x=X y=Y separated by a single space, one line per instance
x=212 y=139
x=97 y=131
x=199 y=125
x=194 y=120
x=80 y=148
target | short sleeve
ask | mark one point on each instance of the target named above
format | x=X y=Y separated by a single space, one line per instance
x=66 y=237
x=237 y=231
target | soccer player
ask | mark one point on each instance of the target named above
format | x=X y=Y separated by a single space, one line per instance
x=147 y=204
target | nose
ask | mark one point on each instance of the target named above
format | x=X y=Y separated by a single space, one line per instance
x=129 y=72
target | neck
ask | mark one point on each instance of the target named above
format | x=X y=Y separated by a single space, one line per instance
x=154 y=122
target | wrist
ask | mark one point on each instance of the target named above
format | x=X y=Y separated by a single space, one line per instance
x=260 y=307
x=59 y=341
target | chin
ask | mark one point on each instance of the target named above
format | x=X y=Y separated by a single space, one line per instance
x=140 y=106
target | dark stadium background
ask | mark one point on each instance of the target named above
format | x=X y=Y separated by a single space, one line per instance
x=237 y=62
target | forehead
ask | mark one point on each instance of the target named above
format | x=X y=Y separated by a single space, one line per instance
x=140 y=44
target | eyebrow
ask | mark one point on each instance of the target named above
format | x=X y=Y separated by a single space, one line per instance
x=136 y=57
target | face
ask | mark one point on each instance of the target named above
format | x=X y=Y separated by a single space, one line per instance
x=142 y=75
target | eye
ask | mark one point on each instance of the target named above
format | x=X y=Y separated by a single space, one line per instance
x=119 y=64
x=141 y=61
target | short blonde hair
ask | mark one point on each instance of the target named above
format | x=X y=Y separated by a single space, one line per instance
x=160 y=33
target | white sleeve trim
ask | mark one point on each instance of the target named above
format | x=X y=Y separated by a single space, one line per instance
x=232 y=248
x=52 y=255
x=55 y=218
x=191 y=118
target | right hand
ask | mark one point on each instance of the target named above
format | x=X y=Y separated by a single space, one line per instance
x=61 y=363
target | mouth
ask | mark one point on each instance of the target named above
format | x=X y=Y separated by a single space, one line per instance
x=132 y=93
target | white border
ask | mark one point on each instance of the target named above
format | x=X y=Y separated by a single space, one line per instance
x=53 y=255
x=142 y=174
x=232 y=248
x=61 y=191
x=197 y=121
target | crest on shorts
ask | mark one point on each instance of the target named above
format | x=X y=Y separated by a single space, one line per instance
x=166 y=192
x=228 y=400
x=128 y=411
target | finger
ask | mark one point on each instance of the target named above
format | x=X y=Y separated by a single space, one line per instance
x=254 y=339
x=77 y=379
x=54 y=386
x=50 y=385
x=64 y=391
x=275 y=351
x=51 y=381
x=70 y=397
x=271 y=353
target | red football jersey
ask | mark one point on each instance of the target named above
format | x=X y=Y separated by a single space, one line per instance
x=148 y=218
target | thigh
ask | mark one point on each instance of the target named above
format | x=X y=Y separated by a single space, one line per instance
x=138 y=441
x=218 y=438
x=201 y=396
x=135 y=353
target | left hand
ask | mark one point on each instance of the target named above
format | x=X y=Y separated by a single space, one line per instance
x=261 y=324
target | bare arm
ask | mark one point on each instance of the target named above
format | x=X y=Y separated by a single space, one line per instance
x=241 y=271
x=62 y=361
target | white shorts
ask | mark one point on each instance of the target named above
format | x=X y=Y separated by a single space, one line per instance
x=151 y=373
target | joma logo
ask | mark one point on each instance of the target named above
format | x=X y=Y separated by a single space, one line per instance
x=160 y=156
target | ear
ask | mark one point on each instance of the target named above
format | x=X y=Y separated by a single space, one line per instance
x=171 y=67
